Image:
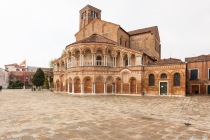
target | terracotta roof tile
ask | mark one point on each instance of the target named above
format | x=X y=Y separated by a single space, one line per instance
x=89 y=6
x=144 y=30
x=96 y=38
x=153 y=30
x=198 y=58
x=167 y=61
x=14 y=64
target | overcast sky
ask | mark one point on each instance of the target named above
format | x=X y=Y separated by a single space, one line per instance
x=38 y=30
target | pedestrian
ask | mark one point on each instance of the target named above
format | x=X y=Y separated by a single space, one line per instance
x=0 y=88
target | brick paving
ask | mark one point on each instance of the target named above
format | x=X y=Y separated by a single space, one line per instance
x=43 y=115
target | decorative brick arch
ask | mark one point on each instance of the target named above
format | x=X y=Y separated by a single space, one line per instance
x=164 y=72
x=84 y=49
x=133 y=85
x=99 y=48
x=75 y=49
x=118 y=83
x=77 y=84
x=99 y=84
x=70 y=84
x=57 y=85
x=110 y=84
x=62 y=82
x=87 y=80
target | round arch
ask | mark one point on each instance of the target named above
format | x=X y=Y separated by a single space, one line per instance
x=99 y=84
x=110 y=84
x=77 y=85
x=133 y=85
x=118 y=85
x=88 y=84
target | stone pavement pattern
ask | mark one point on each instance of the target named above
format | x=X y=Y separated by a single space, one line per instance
x=43 y=115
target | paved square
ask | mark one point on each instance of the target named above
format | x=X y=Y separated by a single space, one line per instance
x=43 y=115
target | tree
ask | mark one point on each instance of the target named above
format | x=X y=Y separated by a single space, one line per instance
x=38 y=78
x=51 y=63
x=15 y=84
x=46 y=82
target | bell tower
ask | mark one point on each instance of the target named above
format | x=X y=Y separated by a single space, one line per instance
x=87 y=14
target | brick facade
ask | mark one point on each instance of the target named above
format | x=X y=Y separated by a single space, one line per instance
x=106 y=59
x=201 y=84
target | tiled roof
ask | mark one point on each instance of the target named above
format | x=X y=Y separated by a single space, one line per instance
x=167 y=61
x=153 y=30
x=96 y=38
x=91 y=7
x=198 y=58
x=14 y=64
x=144 y=30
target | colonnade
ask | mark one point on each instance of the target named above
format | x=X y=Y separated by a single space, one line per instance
x=73 y=62
x=106 y=88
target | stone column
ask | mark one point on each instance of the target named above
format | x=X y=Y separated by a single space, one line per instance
x=115 y=62
x=105 y=88
x=136 y=87
x=121 y=88
x=112 y=61
x=129 y=61
x=121 y=61
x=115 y=88
x=104 y=60
x=129 y=90
x=68 y=87
x=72 y=87
x=93 y=88
x=82 y=88
x=92 y=59
x=81 y=59
x=112 y=88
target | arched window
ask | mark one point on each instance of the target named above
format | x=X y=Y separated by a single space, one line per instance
x=163 y=76
x=151 y=80
x=92 y=14
x=98 y=60
x=176 y=79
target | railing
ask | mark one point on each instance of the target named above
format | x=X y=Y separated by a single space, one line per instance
x=89 y=63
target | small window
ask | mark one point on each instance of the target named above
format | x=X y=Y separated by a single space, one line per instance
x=17 y=70
x=151 y=80
x=92 y=14
x=163 y=76
x=98 y=60
x=194 y=74
x=125 y=43
x=120 y=40
x=176 y=79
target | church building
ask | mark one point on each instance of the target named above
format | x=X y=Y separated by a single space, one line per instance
x=106 y=59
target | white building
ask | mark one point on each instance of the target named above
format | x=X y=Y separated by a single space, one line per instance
x=4 y=78
x=14 y=67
